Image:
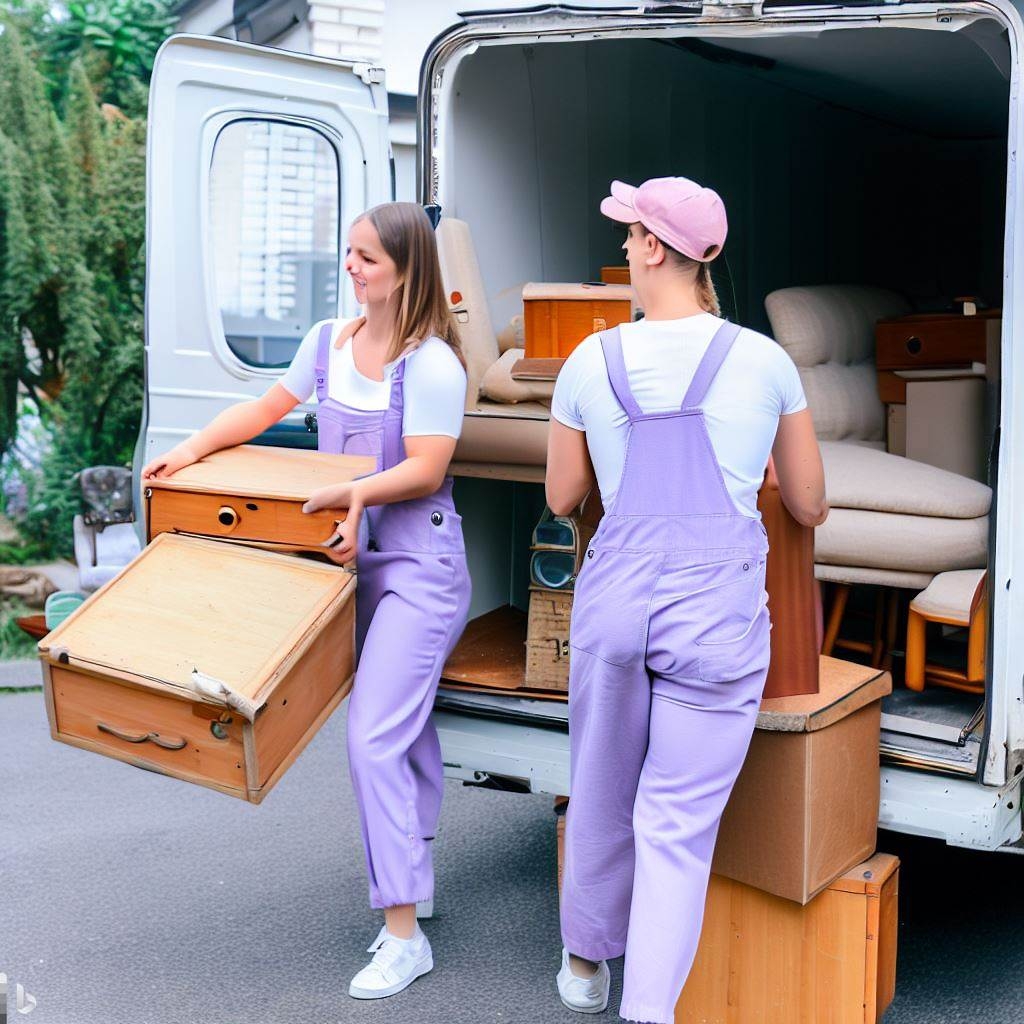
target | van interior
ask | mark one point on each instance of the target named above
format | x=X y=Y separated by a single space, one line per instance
x=864 y=172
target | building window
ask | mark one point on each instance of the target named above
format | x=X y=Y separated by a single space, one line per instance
x=274 y=230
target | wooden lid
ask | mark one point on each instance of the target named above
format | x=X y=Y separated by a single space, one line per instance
x=844 y=687
x=234 y=613
x=258 y=471
x=593 y=291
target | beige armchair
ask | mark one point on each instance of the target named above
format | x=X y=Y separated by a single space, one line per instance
x=894 y=522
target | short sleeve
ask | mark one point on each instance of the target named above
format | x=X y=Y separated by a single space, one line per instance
x=434 y=392
x=791 y=389
x=299 y=380
x=565 y=401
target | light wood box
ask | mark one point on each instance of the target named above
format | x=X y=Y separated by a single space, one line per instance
x=559 y=316
x=615 y=275
x=251 y=493
x=547 y=640
x=278 y=630
x=764 y=960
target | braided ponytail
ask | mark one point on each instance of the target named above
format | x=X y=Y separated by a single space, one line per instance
x=706 y=294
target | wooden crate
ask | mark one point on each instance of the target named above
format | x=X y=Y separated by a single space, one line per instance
x=547 y=640
x=766 y=960
x=251 y=493
x=559 y=316
x=272 y=635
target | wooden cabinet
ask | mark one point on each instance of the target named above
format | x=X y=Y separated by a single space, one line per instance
x=766 y=960
x=251 y=493
x=209 y=662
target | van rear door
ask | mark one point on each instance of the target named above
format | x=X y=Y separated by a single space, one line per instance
x=257 y=161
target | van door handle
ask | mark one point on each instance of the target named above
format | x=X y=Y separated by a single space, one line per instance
x=152 y=737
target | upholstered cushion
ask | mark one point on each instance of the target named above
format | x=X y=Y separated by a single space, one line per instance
x=855 y=574
x=908 y=543
x=497 y=382
x=949 y=597
x=468 y=299
x=829 y=332
x=860 y=477
x=513 y=434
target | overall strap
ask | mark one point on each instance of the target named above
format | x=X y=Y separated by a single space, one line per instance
x=392 y=447
x=710 y=364
x=611 y=345
x=323 y=348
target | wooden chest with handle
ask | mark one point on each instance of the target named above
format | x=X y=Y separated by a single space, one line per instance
x=207 y=661
x=559 y=316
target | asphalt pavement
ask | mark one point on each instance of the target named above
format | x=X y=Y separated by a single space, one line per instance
x=130 y=898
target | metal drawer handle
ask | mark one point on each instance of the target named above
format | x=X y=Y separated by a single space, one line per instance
x=153 y=737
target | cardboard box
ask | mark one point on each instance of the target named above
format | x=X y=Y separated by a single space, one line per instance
x=765 y=960
x=805 y=806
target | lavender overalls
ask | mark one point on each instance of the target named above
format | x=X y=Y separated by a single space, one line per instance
x=670 y=650
x=412 y=599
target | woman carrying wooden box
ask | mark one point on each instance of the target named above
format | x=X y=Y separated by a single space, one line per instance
x=391 y=384
x=674 y=418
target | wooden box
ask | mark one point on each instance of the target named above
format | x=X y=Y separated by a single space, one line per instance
x=805 y=806
x=615 y=275
x=559 y=316
x=763 y=959
x=251 y=493
x=935 y=340
x=547 y=640
x=210 y=662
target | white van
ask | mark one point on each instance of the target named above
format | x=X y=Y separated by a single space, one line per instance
x=853 y=143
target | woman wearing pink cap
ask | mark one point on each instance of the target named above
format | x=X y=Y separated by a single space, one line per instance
x=674 y=418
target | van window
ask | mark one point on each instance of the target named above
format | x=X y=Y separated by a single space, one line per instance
x=274 y=235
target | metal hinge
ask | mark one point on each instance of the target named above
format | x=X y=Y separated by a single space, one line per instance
x=371 y=74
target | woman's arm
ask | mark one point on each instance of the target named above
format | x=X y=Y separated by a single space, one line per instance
x=570 y=473
x=235 y=425
x=798 y=467
x=420 y=473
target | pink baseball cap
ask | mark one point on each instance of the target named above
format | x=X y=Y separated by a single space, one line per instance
x=680 y=212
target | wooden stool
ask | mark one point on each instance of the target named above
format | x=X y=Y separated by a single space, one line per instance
x=885 y=619
x=958 y=599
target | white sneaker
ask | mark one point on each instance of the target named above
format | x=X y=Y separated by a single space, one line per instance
x=396 y=964
x=585 y=995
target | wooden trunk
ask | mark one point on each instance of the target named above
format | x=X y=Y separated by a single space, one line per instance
x=251 y=493
x=557 y=317
x=272 y=638
x=763 y=959
x=547 y=640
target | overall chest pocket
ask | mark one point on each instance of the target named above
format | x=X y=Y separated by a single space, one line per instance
x=611 y=604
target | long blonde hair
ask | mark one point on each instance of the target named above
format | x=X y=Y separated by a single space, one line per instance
x=407 y=236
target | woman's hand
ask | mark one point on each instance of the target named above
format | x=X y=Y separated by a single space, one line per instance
x=332 y=496
x=169 y=463
x=341 y=546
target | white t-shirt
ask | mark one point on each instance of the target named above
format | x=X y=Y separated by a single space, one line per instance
x=434 y=388
x=757 y=383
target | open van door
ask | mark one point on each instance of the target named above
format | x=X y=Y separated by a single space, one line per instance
x=257 y=161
